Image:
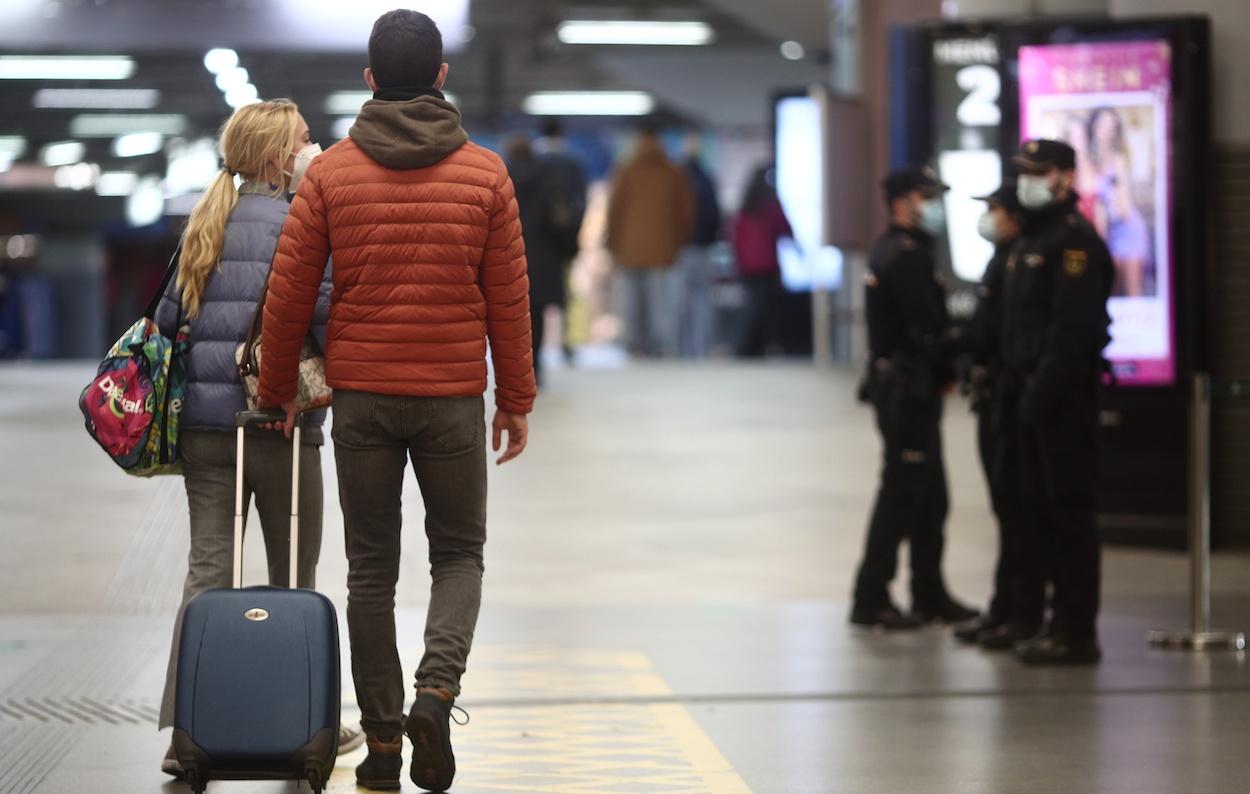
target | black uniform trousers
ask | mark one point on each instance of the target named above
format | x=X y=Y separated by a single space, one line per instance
x=1050 y=457
x=912 y=499
x=990 y=445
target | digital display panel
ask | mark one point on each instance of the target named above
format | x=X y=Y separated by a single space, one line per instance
x=1112 y=103
x=806 y=262
x=966 y=86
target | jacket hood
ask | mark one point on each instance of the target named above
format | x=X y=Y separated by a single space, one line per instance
x=412 y=133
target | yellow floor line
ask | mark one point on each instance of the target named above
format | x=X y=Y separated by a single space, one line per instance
x=579 y=749
x=695 y=745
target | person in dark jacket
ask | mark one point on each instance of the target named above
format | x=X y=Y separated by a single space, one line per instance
x=907 y=326
x=981 y=340
x=551 y=196
x=760 y=225
x=227 y=248
x=694 y=267
x=1058 y=278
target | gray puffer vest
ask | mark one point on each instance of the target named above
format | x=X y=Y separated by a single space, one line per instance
x=214 y=392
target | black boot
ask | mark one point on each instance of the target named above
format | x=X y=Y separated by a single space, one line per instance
x=1059 y=649
x=380 y=770
x=1006 y=636
x=972 y=631
x=946 y=610
x=428 y=728
x=888 y=617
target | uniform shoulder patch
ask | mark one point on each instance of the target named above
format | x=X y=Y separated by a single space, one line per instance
x=1075 y=262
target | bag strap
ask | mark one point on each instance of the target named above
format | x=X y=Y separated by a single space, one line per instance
x=249 y=366
x=155 y=302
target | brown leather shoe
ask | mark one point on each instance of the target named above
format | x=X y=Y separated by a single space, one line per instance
x=380 y=769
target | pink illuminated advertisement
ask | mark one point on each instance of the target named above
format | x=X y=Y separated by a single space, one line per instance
x=1112 y=103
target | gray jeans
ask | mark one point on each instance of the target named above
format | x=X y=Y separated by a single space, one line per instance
x=209 y=474
x=693 y=306
x=374 y=437
x=647 y=304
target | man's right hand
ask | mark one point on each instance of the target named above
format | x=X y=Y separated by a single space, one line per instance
x=518 y=433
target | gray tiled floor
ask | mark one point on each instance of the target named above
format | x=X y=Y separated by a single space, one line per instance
x=678 y=542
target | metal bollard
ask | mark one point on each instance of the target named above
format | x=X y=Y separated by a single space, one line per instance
x=1199 y=637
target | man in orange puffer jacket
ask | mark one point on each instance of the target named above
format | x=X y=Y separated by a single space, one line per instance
x=428 y=265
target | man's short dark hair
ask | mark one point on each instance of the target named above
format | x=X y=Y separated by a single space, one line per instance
x=405 y=49
x=553 y=128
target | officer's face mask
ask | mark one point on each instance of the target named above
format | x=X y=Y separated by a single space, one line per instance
x=1034 y=191
x=988 y=228
x=932 y=216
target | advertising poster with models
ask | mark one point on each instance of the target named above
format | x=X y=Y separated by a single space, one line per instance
x=1112 y=103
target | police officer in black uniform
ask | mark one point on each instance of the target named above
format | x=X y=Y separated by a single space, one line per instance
x=981 y=340
x=1055 y=322
x=908 y=371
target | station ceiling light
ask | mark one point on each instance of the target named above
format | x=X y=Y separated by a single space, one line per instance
x=588 y=103
x=62 y=153
x=792 y=51
x=138 y=144
x=146 y=203
x=239 y=96
x=11 y=148
x=79 y=176
x=342 y=126
x=653 y=33
x=116 y=183
x=97 y=98
x=234 y=77
x=219 y=59
x=345 y=103
x=66 y=67
x=111 y=125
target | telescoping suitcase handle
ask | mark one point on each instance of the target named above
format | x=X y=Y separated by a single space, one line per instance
x=242 y=421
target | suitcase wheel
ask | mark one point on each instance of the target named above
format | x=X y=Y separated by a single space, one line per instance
x=315 y=780
x=195 y=780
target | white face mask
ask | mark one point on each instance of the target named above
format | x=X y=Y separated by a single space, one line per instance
x=303 y=159
x=932 y=216
x=1034 y=191
x=987 y=227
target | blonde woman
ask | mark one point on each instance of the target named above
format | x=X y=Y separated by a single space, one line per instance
x=227 y=249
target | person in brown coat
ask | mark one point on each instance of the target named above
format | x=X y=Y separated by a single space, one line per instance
x=650 y=217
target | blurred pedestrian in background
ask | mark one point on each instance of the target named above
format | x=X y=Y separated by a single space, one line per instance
x=694 y=269
x=551 y=196
x=650 y=217
x=761 y=224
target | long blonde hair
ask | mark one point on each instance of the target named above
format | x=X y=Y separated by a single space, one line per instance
x=251 y=141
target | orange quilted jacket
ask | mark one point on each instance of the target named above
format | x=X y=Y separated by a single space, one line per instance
x=428 y=264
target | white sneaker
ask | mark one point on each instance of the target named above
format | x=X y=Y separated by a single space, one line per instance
x=170 y=765
x=349 y=738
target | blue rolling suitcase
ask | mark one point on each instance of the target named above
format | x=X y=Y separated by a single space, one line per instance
x=258 y=670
